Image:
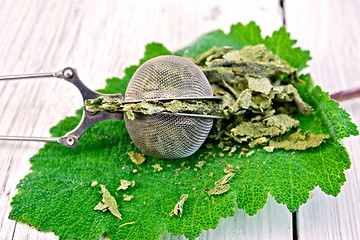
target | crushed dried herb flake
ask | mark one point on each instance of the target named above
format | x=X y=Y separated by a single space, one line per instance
x=178 y=209
x=127 y=198
x=157 y=168
x=137 y=158
x=108 y=203
x=125 y=184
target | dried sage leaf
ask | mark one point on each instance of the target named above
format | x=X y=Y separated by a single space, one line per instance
x=221 y=185
x=299 y=141
x=178 y=209
x=243 y=101
x=268 y=149
x=125 y=184
x=148 y=107
x=130 y=115
x=127 y=198
x=225 y=179
x=229 y=168
x=218 y=189
x=200 y=164
x=248 y=131
x=108 y=203
x=258 y=141
x=262 y=85
x=101 y=104
x=282 y=121
x=157 y=167
x=250 y=153
x=137 y=158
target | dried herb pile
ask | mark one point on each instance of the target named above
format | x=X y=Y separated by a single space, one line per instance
x=259 y=98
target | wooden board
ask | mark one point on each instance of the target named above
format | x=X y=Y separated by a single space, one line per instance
x=100 y=39
x=329 y=29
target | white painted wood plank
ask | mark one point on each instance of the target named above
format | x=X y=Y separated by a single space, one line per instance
x=329 y=29
x=100 y=39
x=271 y=222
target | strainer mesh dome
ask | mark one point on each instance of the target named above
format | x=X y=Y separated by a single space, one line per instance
x=163 y=135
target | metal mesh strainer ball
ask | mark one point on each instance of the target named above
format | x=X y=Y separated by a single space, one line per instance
x=162 y=135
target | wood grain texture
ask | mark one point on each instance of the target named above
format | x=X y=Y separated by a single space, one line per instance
x=329 y=29
x=271 y=222
x=100 y=39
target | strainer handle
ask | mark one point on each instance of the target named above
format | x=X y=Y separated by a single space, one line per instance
x=70 y=139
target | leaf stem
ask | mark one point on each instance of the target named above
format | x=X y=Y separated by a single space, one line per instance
x=346 y=94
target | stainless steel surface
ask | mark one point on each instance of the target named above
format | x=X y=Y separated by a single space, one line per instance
x=212 y=98
x=28 y=76
x=185 y=115
x=164 y=135
x=36 y=139
x=70 y=139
